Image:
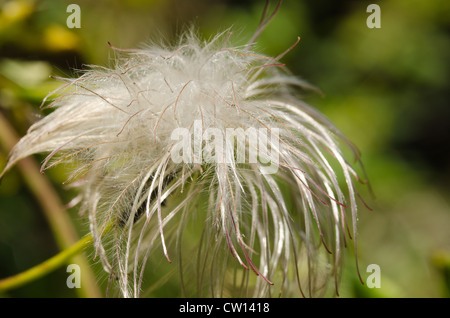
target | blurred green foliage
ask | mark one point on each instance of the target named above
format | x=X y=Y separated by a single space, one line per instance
x=386 y=89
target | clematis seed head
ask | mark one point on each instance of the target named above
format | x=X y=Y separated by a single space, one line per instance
x=210 y=141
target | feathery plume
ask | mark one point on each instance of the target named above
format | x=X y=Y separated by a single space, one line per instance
x=209 y=135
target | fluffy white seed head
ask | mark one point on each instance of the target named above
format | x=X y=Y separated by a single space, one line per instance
x=116 y=126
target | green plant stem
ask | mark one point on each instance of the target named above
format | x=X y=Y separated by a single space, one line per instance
x=45 y=267
x=54 y=211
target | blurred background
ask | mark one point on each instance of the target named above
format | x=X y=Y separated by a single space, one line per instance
x=386 y=88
